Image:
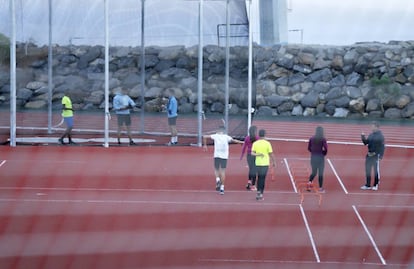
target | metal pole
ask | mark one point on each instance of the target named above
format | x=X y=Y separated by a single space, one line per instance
x=50 y=71
x=250 y=70
x=142 y=65
x=13 y=74
x=107 y=115
x=227 y=75
x=200 y=74
x=301 y=36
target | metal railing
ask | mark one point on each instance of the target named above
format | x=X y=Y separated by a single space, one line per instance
x=222 y=28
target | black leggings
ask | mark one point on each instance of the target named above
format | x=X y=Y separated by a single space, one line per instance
x=318 y=167
x=261 y=177
x=251 y=162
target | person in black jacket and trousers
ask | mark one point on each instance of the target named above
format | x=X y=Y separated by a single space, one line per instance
x=318 y=147
x=375 y=144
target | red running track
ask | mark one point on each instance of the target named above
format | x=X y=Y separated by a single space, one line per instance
x=156 y=207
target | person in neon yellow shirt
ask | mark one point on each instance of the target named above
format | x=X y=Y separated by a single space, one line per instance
x=67 y=114
x=263 y=151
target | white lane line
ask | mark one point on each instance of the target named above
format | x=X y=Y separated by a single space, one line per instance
x=382 y=194
x=338 y=142
x=43 y=189
x=305 y=220
x=388 y=206
x=298 y=263
x=147 y=202
x=46 y=161
x=292 y=180
x=2 y=163
x=369 y=235
x=337 y=176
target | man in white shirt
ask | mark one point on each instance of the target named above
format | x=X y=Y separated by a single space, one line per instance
x=221 y=154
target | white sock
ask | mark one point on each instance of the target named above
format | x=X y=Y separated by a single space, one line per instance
x=217 y=179
x=174 y=139
x=222 y=187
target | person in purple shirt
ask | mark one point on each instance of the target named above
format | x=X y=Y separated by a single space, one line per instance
x=318 y=147
x=251 y=159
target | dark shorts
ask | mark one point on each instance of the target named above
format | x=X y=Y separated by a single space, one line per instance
x=172 y=120
x=124 y=119
x=220 y=163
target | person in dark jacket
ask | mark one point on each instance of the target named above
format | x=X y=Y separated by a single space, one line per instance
x=318 y=147
x=251 y=159
x=375 y=144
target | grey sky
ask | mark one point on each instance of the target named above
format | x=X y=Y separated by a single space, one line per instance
x=333 y=22
x=344 y=22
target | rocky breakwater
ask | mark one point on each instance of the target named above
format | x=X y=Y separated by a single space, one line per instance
x=363 y=80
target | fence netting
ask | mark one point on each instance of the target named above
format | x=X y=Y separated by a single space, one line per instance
x=150 y=51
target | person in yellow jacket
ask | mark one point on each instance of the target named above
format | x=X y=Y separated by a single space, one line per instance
x=263 y=151
x=67 y=114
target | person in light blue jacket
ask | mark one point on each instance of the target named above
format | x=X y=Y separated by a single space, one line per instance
x=172 y=113
x=122 y=104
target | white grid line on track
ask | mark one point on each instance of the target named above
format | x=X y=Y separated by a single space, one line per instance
x=371 y=238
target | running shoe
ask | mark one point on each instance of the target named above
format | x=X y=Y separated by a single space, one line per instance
x=218 y=184
x=365 y=187
x=321 y=190
x=375 y=187
x=248 y=186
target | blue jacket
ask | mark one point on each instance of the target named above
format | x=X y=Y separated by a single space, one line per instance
x=122 y=103
x=172 y=107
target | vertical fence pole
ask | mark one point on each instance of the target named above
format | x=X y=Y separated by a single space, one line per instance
x=13 y=74
x=50 y=71
x=250 y=69
x=200 y=74
x=227 y=72
x=142 y=65
x=106 y=135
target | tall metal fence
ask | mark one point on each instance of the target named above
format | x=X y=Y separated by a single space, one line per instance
x=49 y=39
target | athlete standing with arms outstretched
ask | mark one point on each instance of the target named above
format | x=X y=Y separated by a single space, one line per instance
x=221 y=155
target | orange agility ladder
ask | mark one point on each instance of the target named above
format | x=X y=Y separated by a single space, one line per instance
x=308 y=188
